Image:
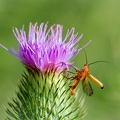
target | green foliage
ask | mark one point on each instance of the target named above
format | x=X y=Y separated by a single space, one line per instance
x=45 y=97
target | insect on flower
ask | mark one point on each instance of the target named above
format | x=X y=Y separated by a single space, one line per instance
x=84 y=76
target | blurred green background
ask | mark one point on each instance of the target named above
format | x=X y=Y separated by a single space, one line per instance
x=98 y=20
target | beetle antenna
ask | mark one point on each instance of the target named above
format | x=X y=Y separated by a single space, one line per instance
x=97 y=62
x=82 y=47
x=86 y=61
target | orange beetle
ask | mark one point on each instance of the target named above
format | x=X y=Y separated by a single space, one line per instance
x=84 y=76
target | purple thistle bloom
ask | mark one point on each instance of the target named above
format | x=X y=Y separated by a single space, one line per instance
x=45 y=48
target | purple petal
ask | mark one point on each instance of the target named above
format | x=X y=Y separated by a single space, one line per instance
x=46 y=48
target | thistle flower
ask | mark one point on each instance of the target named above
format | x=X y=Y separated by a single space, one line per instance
x=44 y=91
